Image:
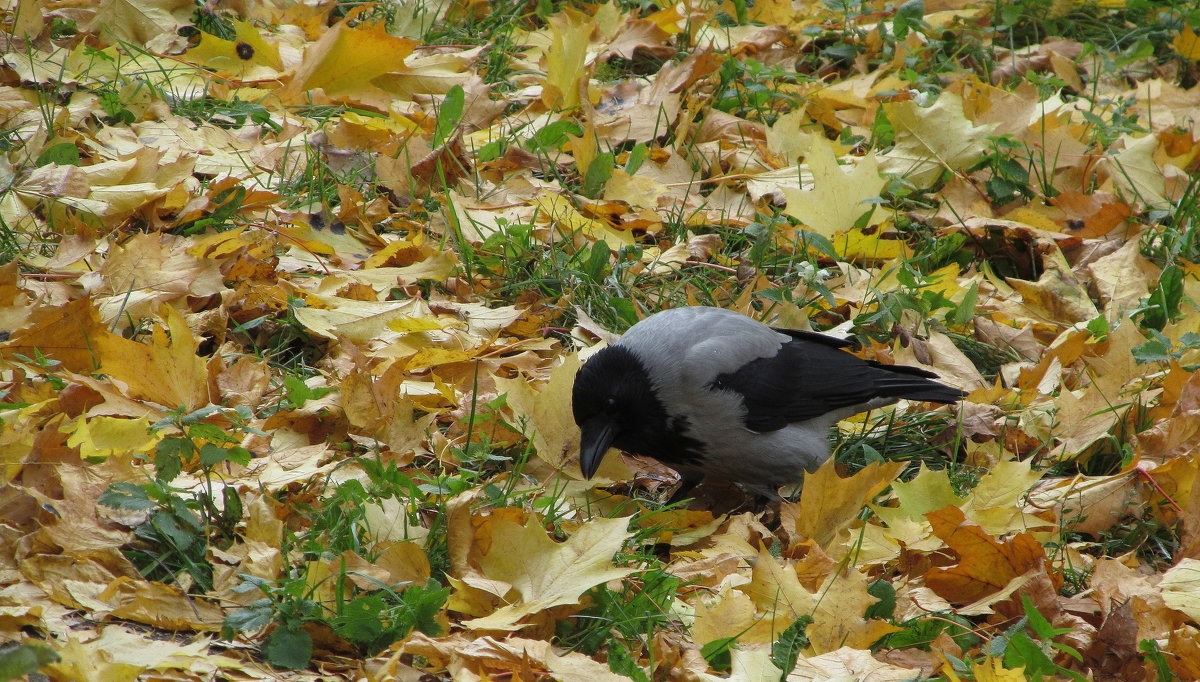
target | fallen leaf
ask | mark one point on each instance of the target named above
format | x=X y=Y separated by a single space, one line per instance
x=986 y=565
x=544 y=573
x=839 y=198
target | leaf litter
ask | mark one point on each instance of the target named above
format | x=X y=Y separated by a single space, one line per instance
x=292 y=297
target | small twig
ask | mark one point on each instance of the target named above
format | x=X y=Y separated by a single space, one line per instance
x=1154 y=484
x=723 y=268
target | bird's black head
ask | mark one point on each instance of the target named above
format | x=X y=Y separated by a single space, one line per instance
x=614 y=405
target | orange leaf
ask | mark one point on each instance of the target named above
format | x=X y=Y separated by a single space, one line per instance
x=986 y=565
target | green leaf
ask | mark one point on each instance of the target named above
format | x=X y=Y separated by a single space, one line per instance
x=167 y=525
x=63 y=153
x=299 y=392
x=200 y=414
x=233 y=504
x=1098 y=327
x=167 y=465
x=624 y=309
x=909 y=15
x=493 y=150
x=553 y=136
x=211 y=433
x=1162 y=669
x=24 y=659
x=820 y=243
x=597 y=261
x=598 y=173
x=424 y=603
x=448 y=115
x=1038 y=623
x=126 y=495
x=886 y=594
x=1158 y=349
x=622 y=663
x=717 y=653
x=964 y=311
x=212 y=455
x=637 y=156
x=178 y=446
x=253 y=617
x=359 y=620
x=288 y=648
x=786 y=650
x=239 y=455
x=1164 y=301
x=1023 y=652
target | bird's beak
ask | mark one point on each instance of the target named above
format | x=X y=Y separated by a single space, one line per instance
x=598 y=435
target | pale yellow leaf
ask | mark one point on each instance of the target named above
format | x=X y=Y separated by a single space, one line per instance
x=839 y=617
x=849 y=663
x=1181 y=588
x=840 y=195
x=932 y=139
x=546 y=573
x=995 y=503
x=1135 y=172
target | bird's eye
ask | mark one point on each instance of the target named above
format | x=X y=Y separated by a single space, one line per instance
x=610 y=401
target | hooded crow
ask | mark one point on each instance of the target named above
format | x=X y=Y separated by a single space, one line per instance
x=711 y=392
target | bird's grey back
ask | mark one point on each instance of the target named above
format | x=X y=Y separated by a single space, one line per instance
x=708 y=341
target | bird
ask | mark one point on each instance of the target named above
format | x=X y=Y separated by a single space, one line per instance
x=713 y=393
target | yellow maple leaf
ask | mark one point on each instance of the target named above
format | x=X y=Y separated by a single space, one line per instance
x=139 y=22
x=747 y=664
x=246 y=51
x=27 y=20
x=992 y=670
x=927 y=491
x=839 y=195
x=848 y=663
x=346 y=61
x=430 y=74
x=933 y=138
x=855 y=245
x=490 y=658
x=1137 y=174
x=668 y=19
x=409 y=324
x=829 y=504
x=839 y=617
x=545 y=573
x=105 y=436
x=774 y=586
x=158 y=604
x=570 y=31
x=166 y=371
x=568 y=220
x=995 y=504
x=731 y=615
x=987 y=566
x=1187 y=44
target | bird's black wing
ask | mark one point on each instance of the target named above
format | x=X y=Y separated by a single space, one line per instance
x=811 y=375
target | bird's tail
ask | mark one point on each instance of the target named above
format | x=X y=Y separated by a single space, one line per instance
x=914 y=383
